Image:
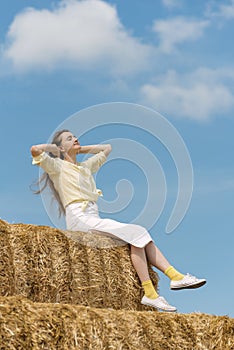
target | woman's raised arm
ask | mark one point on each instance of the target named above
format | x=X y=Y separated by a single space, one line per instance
x=106 y=148
x=36 y=150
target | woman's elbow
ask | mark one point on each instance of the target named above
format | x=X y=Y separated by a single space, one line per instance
x=108 y=149
x=35 y=151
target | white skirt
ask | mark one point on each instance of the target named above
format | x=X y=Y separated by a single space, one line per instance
x=90 y=221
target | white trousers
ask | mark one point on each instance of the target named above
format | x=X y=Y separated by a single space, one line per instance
x=90 y=221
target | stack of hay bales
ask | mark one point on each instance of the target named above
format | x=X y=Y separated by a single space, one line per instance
x=59 y=291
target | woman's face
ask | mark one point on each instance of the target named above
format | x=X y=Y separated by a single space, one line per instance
x=70 y=143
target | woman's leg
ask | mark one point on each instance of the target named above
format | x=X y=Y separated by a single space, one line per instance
x=139 y=258
x=155 y=257
x=140 y=264
x=178 y=280
x=151 y=297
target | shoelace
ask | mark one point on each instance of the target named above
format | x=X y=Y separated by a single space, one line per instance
x=190 y=276
x=164 y=301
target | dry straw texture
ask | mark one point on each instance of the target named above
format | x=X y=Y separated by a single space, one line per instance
x=58 y=292
x=44 y=265
x=26 y=325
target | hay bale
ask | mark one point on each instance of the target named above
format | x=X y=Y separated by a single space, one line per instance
x=28 y=325
x=6 y=262
x=57 y=270
x=48 y=265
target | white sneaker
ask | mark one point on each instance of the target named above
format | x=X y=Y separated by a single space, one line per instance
x=159 y=303
x=188 y=282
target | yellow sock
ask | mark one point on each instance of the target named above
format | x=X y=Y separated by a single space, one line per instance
x=173 y=274
x=149 y=289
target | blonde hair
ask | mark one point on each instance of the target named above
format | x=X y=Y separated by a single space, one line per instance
x=45 y=180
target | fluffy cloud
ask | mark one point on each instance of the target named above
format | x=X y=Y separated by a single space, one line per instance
x=199 y=95
x=83 y=34
x=178 y=30
x=225 y=11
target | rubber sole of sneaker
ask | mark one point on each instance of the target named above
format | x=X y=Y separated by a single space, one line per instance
x=191 y=286
x=157 y=308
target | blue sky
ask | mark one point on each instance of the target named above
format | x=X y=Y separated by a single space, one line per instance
x=174 y=56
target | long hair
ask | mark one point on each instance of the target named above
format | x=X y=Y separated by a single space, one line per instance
x=45 y=181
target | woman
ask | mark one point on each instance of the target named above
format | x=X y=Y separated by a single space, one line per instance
x=75 y=190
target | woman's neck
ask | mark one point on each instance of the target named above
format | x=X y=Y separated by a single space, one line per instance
x=70 y=158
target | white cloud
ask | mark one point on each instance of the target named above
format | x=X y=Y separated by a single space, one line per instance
x=225 y=11
x=200 y=95
x=178 y=30
x=171 y=3
x=78 y=33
